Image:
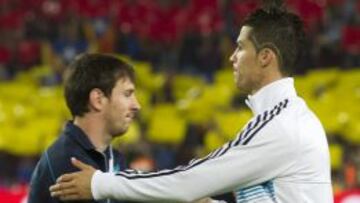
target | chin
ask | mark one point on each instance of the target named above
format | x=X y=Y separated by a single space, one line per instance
x=239 y=86
x=119 y=133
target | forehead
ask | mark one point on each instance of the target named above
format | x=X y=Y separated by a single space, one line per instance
x=244 y=35
x=124 y=84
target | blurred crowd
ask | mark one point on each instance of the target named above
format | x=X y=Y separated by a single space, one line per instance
x=176 y=37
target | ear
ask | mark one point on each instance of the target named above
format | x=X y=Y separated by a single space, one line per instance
x=265 y=57
x=96 y=99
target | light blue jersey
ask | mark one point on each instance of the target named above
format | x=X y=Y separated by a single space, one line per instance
x=259 y=193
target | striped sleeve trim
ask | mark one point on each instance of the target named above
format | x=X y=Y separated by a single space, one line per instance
x=243 y=138
x=260 y=193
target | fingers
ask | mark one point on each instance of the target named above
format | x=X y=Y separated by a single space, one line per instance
x=61 y=186
x=63 y=189
x=66 y=195
x=64 y=192
x=66 y=177
x=80 y=165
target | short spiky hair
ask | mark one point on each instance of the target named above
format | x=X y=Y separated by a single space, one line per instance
x=281 y=31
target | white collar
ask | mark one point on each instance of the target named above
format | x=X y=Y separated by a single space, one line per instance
x=270 y=95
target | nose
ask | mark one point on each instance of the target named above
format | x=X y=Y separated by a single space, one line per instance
x=136 y=105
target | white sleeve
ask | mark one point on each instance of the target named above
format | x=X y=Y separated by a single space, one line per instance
x=242 y=162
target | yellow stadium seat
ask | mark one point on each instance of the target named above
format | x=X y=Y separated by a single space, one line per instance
x=166 y=125
x=208 y=100
x=351 y=132
x=183 y=86
x=144 y=98
x=230 y=123
x=146 y=79
x=336 y=155
x=213 y=141
x=225 y=77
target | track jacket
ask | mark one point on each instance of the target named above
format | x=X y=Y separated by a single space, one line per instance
x=55 y=161
x=280 y=156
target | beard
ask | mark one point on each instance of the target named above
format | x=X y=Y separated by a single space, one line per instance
x=118 y=128
x=119 y=132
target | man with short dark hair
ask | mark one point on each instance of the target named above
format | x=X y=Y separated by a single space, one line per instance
x=280 y=155
x=100 y=94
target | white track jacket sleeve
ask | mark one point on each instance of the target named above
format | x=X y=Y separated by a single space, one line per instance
x=261 y=151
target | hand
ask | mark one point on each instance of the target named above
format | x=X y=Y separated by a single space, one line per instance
x=74 y=186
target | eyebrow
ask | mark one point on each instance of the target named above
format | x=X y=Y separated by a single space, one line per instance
x=130 y=90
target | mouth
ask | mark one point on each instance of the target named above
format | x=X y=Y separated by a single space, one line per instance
x=130 y=116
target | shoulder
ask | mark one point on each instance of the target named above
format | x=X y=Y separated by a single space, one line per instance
x=56 y=159
x=295 y=123
x=296 y=116
x=55 y=153
x=292 y=116
x=41 y=180
x=280 y=125
x=269 y=127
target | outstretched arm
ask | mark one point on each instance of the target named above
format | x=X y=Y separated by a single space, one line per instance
x=228 y=168
x=76 y=185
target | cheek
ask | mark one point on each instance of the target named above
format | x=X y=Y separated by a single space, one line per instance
x=242 y=59
x=118 y=107
x=122 y=107
x=242 y=65
x=248 y=63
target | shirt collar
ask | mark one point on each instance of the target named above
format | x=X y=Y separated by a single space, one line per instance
x=78 y=135
x=270 y=95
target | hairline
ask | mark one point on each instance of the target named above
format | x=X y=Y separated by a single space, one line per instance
x=270 y=45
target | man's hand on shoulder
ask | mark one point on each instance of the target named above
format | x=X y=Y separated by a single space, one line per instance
x=74 y=186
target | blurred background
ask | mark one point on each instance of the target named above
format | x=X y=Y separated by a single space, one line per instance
x=180 y=51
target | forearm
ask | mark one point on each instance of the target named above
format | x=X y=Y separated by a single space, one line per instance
x=238 y=166
x=175 y=188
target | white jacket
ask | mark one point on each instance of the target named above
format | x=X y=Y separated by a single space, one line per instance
x=280 y=156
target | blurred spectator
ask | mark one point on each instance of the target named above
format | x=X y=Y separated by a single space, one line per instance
x=70 y=41
x=351 y=44
x=181 y=35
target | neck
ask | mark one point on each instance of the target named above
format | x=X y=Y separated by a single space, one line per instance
x=268 y=77
x=94 y=130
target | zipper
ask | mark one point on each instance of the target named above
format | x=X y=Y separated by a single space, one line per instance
x=109 y=165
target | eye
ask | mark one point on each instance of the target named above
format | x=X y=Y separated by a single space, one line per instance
x=128 y=93
x=239 y=45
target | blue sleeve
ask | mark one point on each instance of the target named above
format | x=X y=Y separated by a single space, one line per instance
x=41 y=180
